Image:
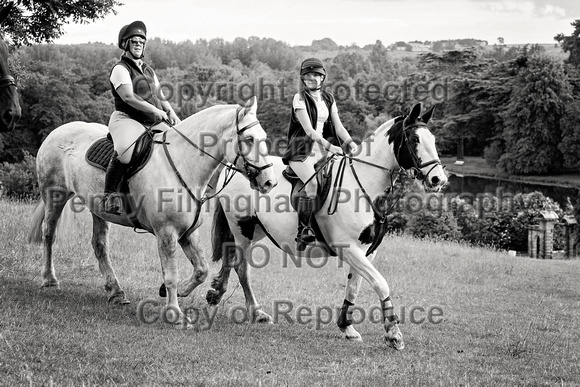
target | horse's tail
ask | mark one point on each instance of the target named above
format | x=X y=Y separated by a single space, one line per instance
x=222 y=233
x=35 y=233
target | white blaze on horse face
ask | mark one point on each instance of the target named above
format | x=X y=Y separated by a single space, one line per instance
x=427 y=151
x=254 y=149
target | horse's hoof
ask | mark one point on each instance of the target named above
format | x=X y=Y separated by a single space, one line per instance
x=119 y=299
x=262 y=317
x=184 y=325
x=53 y=283
x=395 y=343
x=213 y=297
x=394 y=337
x=162 y=290
x=351 y=334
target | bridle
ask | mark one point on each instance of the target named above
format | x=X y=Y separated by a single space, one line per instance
x=416 y=168
x=250 y=170
x=417 y=165
x=7 y=81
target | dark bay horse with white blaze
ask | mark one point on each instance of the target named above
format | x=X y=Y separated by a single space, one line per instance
x=10 y=110
x=404 y=143
x=184 y=158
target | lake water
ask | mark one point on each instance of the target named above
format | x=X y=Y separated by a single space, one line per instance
x=477 y=185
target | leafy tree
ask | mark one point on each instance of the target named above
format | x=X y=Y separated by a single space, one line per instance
x=532 y=119
x=378 y=57
x=472 y=95
x=325 y=44
x=571 y=43
x=37 y=21
x=277 y=55
x=570 y=144
x=349 y=65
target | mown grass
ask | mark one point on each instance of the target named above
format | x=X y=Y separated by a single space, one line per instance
x=506 y=320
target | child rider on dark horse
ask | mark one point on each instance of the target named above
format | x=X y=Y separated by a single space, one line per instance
x=314 y=133
x=139 y=104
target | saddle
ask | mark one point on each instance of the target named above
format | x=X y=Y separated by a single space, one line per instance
x=99 y=154
x=324 y=179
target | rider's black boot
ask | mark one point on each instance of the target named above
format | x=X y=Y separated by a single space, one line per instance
x=305 y=233
x=115 y=172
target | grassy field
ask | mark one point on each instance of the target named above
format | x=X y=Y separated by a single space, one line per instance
x=506 y=320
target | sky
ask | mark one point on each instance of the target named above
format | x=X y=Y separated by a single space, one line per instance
x=360 y=22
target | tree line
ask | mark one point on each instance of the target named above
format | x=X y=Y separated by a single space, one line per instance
x=517 y=107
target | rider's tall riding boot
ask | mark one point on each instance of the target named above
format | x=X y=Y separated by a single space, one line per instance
x=115 y=172
x=305 y=233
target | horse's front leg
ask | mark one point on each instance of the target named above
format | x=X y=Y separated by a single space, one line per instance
x=344 y=321
x=100 y=242
x=166 y=244
x=189 y=244
x=361 y=266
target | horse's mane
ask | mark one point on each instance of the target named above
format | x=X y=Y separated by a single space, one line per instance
x=214 y=113
x=395 y=132
x=386 y=128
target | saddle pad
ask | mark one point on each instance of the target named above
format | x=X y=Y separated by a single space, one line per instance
x=324 y=178
x=100 y=153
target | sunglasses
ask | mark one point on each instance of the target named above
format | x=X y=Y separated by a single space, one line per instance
x=137 y=42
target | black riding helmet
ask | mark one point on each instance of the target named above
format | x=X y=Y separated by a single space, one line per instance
x=313 y=65
x=137 y=28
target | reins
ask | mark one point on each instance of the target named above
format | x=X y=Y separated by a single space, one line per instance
x=418 y=174
x=333 y=206
x=230 y=167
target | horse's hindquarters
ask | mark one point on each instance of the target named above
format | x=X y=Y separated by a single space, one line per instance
x=61 y=165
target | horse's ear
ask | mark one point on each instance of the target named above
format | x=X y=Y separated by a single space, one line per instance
x=4 y=12
x=428 y=114
x=251 y=106
x=412 y=117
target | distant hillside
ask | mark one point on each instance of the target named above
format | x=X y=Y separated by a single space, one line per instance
x=328 y=48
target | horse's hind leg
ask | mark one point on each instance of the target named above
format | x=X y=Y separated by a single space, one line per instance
x=243 y=271
x=100 y=242
x=219 y=284
x=55 y=201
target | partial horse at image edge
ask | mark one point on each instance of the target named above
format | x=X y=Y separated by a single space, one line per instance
x=10 y=109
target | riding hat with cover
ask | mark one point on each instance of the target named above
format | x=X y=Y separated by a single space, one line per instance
x=312 y=65
x=137 y=28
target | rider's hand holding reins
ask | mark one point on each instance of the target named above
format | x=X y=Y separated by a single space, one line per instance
x=173 y=118
x=161 y=115
x=335 y=150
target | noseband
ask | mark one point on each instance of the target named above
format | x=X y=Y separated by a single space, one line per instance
x=417 y=165
x=250 y=170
